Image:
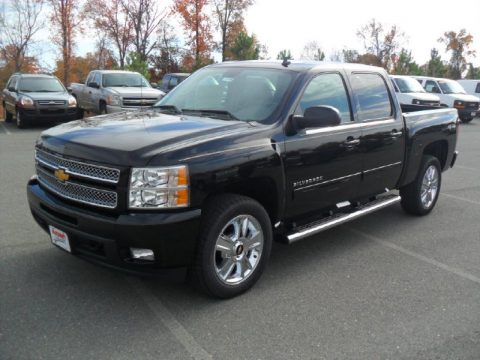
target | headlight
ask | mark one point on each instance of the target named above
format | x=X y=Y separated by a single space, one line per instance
x=459 y=104
x=72 y=102
x=26 y=102
x=416 y=102
x=114 y=100
x=159 y=188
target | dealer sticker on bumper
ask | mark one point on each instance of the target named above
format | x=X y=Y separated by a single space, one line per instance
x=60 y=238
x=473 y=114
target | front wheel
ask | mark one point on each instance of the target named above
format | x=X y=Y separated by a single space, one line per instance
x=234 y=246
x=420 y=197
x=21 y=123
x=103 y=108
x=467 y=120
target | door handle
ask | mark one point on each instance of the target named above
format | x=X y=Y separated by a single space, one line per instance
x=352 y=142
x=396 y=133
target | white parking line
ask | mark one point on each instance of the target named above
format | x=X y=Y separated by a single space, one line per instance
x=5 y=128
x=450 y=269
x=461 y=198
x=172 y=324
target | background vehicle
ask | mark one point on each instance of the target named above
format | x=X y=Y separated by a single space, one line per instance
x=452 y=94
x=109 y=91
x=171 y=80
x=409 y=91
x=240 y=152
x=35 y=98
x=471 y=87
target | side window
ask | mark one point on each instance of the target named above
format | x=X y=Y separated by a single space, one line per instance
x=372 y=95
x=13 y=82
x=173 y=82
x=429 y=85
x=477 y=89
x=395 y=85
x=90 y=78
x=98 y=79
x=327 y=89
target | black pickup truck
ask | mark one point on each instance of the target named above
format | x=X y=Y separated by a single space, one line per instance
x=239 y=154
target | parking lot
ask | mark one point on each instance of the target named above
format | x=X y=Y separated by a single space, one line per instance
x=387 y=286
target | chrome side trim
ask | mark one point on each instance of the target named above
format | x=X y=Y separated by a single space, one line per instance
x=328 y=181
x=363 y=125
x=340 y=219
x=382 y=167
x=221 y=152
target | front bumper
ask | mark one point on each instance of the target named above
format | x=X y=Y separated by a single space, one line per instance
x=107 y=238
x=468 y=113
x=45 y=113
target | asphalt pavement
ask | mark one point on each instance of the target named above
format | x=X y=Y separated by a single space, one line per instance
x=387 y=286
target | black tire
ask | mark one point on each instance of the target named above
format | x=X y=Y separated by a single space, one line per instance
x=21 y=122
x=103 y=108
x=80 y=114
x=217 y=214
x=412 y=193
x=7 y=115
x=467 y=120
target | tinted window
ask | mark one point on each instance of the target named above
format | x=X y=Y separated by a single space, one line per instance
x=97 y=78
x=371 y=93
x=40 y=84
x=124 y=80
x=173 y=82
x=429 y=85
x=327 y=89
x=477 y=89
x=13 y=82
x=90 y=78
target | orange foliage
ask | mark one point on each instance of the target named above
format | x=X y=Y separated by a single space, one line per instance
x=29 y=64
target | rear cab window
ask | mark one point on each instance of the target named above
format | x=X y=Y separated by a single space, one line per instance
x=373 y=100
x=477 y=88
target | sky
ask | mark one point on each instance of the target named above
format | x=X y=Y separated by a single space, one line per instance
x=333 y=24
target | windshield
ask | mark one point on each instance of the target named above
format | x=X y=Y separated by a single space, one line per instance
x=451 y=87
x=247 y=94
x=124 y=80
x=40 y=84
x=409 y=85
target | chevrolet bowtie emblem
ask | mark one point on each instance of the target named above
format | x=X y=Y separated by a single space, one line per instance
x=61 y=175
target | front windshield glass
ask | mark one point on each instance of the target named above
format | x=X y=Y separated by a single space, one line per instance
x=124 y=80
x=40 y=84
x=451 y=87
x=409 y=85
x=247 y=94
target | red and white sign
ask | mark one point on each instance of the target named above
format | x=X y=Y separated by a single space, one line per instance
x=60 y=238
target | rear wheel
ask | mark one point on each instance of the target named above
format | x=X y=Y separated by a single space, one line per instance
x=21 y=123
x=467 y=120
x=103 y=108
x=7 y=115
x=234 y=246
x=420 y=197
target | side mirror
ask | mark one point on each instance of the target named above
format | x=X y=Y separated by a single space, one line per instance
x=154 y=85
x=69 y=89
x=435 y=90
x=11 y=89
x=316 y=117
x=93 y=85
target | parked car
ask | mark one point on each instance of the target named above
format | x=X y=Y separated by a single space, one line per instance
x=35 y=98
x=409 y=91
x=110 y=91
x=471 y=87
x=171 y=80
x=453 y=95
x=240 y=152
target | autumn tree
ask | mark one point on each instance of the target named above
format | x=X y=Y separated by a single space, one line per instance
x=313 y=51
x=145 y=18
x=285 y=55
x=66 y=17
x=18 y=27
x=473 y=72
x=245 y=47
x=229 y=14
x=459 y=45
x=8 y=65
x=350 y=56
x=198 y=33
x=109 y=17
x=379 y=43
x=167 y=53
x=435 y=66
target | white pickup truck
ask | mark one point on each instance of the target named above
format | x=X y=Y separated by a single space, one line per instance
x=109 y=91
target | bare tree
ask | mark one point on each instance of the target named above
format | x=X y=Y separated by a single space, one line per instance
x=145 y=17
x=227 y=13
x=18 y=26
x=312 y=51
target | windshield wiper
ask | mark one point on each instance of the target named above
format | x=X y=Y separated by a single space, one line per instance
x=170 y=108
x=218 y=114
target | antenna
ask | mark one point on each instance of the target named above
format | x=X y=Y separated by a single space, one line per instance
x=286 y=62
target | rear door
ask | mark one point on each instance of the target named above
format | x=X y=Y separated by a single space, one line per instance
x=11 y=96
x=383 y=136
x=323 y=165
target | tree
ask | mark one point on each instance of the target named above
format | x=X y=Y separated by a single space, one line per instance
x=166 y=57
x=458 y=44
x=109 y=17
x=473 y=72
x=145 y=18
x=435 y=66
x=229 y=13
x=313 y=51
x=66 y=18
x=285 y=55
x=405 y=65
x=350 y=56
x=380 y=43
x=245 y=47
x=18 y=27
x=136 y=63
x=196 y=24
x=29 y=64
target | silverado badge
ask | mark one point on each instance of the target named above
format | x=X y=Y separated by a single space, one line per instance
x=61 y=175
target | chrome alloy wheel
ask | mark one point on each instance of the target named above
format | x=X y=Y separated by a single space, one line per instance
x=429 y=189
x=238 y=249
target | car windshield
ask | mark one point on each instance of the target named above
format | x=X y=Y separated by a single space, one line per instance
x=124 y=80
x=451 y=87
x=409 y=85
x=247 y=94
x=40 y=84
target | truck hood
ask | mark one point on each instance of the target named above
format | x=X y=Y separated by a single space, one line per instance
x=132 y=139
x=464 y=97
x=421 y=96
x=136 y=92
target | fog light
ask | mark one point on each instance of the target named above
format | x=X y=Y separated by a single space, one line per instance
x=142 y=254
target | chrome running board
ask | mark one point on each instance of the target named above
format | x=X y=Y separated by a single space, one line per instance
x=341 y=218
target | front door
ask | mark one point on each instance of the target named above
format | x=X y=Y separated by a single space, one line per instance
x=323 y=165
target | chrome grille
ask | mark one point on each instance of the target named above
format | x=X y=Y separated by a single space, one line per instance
x=51 y=102
x=80 y=193
x=139 y=101
x=89 y=171
x=472 y=105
